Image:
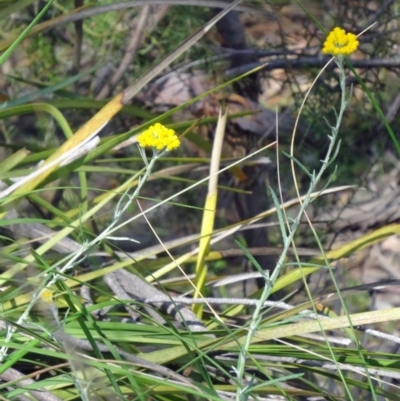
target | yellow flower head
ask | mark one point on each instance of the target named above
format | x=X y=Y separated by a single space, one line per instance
x=47 y=296
x=159 y=137
x=340 y=43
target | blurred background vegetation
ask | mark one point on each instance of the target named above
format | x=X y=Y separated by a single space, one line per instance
x=81 y=54
x=285 y=35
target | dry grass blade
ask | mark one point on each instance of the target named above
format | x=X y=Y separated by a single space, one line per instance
x=210 y=206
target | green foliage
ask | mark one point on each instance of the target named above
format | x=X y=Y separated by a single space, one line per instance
x=84 y=217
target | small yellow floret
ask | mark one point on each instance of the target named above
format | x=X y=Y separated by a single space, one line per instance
x=159 y=137
x=340 y=43
x=47 y=296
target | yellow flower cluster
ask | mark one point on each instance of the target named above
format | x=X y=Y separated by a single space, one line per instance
x=159 y=137
x=340 y=43
x=47 y=296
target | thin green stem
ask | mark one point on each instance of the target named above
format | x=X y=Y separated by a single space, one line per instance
x=50 y=277
x=25 y=33
x=243 y=392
